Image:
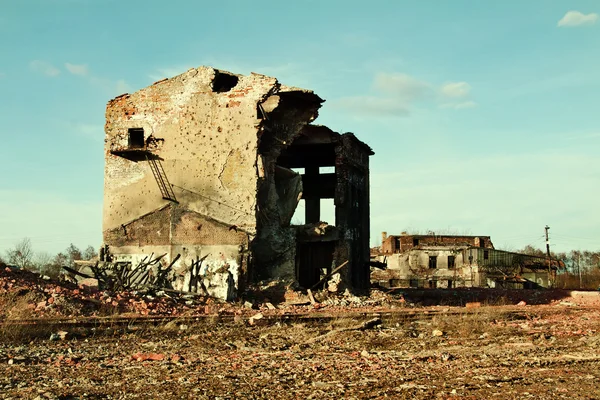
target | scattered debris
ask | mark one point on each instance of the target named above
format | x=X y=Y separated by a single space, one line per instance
x=148 y=357
x=254 y=320
x=361 y=327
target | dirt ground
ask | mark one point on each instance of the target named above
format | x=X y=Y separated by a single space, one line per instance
x=407 y=349
x=543 y=352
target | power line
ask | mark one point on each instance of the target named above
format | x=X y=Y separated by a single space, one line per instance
x=575 y=237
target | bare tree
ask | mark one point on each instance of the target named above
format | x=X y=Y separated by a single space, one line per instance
x=21 y=255
x=73 y=253
x=54 y=267
x=42 y=260
x=89 y=253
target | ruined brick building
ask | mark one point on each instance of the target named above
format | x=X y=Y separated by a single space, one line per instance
x=447 y=261
x=202 y=165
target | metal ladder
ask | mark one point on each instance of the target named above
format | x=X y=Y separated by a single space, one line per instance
x=161 y=178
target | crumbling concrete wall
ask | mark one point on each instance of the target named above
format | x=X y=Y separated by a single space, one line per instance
x=216 y=137
x=285 y=116
x=413 y=268
x=209 y=151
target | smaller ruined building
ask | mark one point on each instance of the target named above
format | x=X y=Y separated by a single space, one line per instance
x=206 y=170
x=448 y=261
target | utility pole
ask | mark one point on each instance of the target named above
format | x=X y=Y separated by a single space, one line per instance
x=547 y=241
x=550 y=279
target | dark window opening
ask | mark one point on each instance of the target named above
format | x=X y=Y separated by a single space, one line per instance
x=136 y=138
x=486 y=255
x=432 y=262
x=449 y=284
x=396 y=245
x=224 y=82
x=432 y=284
x=414 y=283
x=451 y=260
x=415 y=242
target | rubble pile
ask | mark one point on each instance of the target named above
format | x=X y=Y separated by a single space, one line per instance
x=28 y=294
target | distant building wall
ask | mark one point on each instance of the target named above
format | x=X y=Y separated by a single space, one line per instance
x=401 y=243
x=462 y=266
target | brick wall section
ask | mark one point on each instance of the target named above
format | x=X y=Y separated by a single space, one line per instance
x=195 y=229
x=399 y=244
x=173 y=225
x=151 y=229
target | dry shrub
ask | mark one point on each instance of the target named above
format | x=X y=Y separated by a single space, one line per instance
x=19 y=333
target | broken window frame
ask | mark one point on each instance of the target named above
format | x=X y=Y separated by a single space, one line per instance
x=432 y=262
x=136 y=138
x=451 y=262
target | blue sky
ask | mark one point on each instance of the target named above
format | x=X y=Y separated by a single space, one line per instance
x=483 y=114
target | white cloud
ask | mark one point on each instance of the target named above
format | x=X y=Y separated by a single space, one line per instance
x=372 y=105
x=77 y=69
x=402 y=86
x=455 y=89
x=44 y=68
x=577 y=18
x=397 y=93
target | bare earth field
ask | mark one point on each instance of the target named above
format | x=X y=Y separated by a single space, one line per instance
x=547 y=351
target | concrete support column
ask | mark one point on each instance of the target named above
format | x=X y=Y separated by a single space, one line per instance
x=312 y=206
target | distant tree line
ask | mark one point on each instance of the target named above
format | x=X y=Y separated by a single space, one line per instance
x=23 y=256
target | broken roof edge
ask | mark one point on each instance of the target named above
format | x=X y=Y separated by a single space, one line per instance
x=359 y=142
x=544 y=257
x=323 y=129
x=433 y=235
x=281 y=88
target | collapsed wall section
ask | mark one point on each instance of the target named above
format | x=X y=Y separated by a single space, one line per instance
x=285 y=115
